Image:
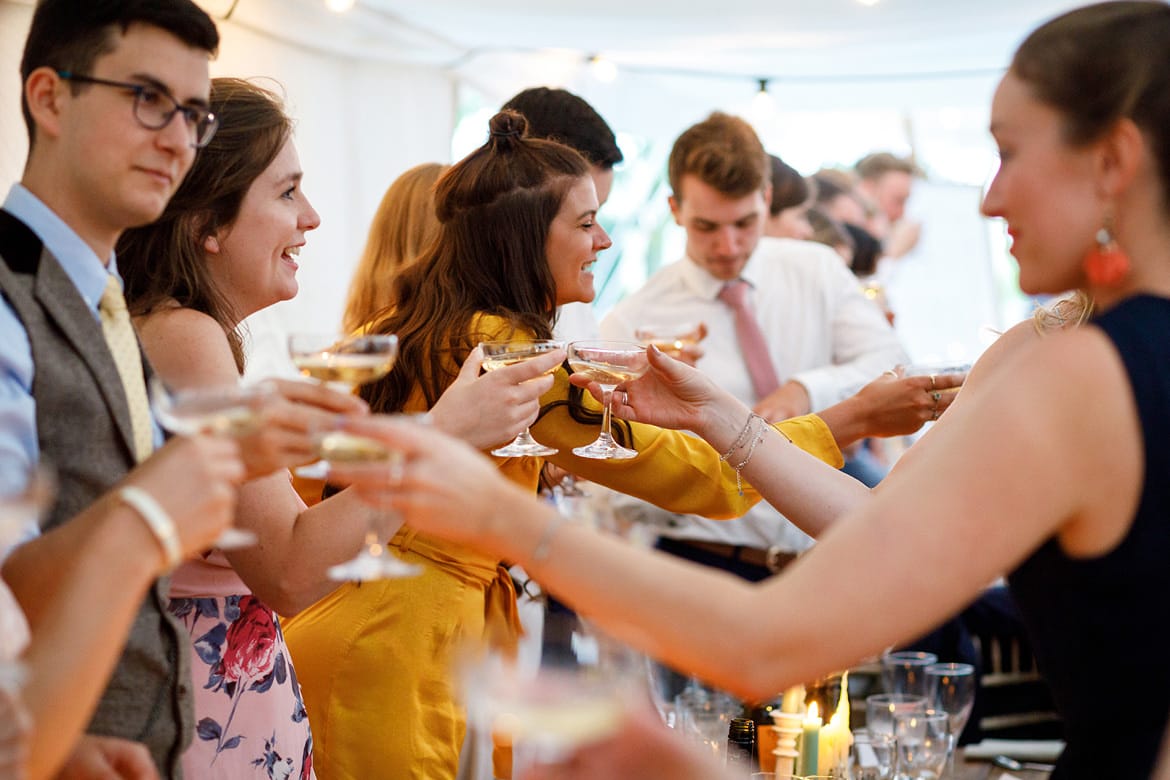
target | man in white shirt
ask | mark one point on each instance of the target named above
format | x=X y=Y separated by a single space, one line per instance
x=824 y=339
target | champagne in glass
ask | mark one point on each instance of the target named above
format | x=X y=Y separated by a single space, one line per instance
x=219 y=411
x=496 y=355
x=608 y=363
x=548 y=704
x=671 y=339
x=344 y=362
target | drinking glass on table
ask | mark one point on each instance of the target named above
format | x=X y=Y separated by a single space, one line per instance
x=905 y=671
x=924 y=744
x=497 y=354
x=951 y=689
x=608 y=363
x=871 y=756
x=881 y=709
x=344 y=362
x=221 y=411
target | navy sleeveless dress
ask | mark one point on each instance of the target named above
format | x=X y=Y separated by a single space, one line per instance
x=1101 y=626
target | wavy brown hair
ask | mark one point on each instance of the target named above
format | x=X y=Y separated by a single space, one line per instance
x=404 y=225
x=165 y=260
x=495 y=208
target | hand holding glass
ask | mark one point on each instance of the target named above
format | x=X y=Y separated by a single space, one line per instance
x=497 y=354
x=345 y=362
x=608 y=363
x=234 y=411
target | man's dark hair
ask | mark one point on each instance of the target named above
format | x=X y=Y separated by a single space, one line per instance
x=68 y=35
x=561 y=116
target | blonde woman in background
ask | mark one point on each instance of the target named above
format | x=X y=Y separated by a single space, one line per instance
x=403 y=226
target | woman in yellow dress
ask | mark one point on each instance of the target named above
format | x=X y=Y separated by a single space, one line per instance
x=518 y=237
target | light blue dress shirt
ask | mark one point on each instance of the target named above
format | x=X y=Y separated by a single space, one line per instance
x=18 y=420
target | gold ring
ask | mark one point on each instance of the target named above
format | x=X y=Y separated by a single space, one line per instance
x=890 y=372
x=932 y=384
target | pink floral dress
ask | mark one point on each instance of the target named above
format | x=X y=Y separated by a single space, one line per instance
x=250 y=718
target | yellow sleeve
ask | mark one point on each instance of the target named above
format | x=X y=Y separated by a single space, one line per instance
x=678 y=472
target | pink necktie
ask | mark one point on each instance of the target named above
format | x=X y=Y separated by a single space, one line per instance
x=751 y=338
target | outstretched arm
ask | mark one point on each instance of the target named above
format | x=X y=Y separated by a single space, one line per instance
x=891 y=569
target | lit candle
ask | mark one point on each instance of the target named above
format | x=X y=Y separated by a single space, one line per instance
x=835 y=737
x=810 y=741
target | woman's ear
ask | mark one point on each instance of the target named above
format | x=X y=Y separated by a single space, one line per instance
x=211 y=245
x=1122 y=151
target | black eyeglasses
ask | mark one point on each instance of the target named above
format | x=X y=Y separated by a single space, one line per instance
x=154 y=108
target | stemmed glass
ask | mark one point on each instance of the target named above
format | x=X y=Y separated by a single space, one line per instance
x=222 y=411
x=609 y=363
x=497 y=354
x=343 y=362
x=374 y=561
x=951 y=689
x=572 y=694
x=671 y=339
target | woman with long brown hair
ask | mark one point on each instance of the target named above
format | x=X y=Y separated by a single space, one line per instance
x=518 y=237
x=227 y=246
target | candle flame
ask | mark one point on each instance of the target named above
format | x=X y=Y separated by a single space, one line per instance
x=813 y=714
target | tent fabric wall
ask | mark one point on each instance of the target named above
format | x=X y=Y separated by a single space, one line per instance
x=359 y=124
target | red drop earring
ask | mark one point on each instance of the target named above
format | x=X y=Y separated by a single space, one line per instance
x=1106 y=264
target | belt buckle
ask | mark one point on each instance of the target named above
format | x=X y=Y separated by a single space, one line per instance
x=772 y=557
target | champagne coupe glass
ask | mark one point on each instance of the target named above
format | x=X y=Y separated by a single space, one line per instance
x=545 y=704
x=374 y=561
x=951 y=689
x=609 y=363
x=497 y=354
x=220 y=411
x=343 y=362
x=671 y=339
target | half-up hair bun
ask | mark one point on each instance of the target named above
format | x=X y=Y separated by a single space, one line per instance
x=506 y=128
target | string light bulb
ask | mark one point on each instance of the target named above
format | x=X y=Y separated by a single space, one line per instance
x=339 y=6
x=763 y=105
x=603 y=70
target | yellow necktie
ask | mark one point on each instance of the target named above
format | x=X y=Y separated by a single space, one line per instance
x=123 y=344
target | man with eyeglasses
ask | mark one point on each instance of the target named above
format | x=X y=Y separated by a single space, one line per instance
x=116 y=102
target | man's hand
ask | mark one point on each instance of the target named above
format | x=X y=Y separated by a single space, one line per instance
x=787 y=401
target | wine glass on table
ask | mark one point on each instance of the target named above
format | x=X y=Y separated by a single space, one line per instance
x=608 y=363
x=235 y=411
x=951 y=689
x=496 y=355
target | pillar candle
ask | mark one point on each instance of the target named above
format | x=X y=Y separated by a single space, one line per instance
x=810 y=741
